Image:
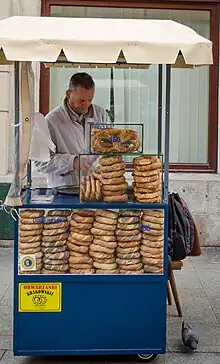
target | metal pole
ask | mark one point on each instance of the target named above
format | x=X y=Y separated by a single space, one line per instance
x=167 y=134
x=159 y=117
x=29 y=175
x=17 y=123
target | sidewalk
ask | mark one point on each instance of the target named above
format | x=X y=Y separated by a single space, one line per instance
x=199 y=288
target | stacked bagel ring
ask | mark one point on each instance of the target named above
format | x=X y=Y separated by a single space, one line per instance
x=30 y=236
x=79 y=241
x=54 y=244
x=129 y=240
x=114 y=186
x=152 y=244
x=102 y=250
x=147 y=179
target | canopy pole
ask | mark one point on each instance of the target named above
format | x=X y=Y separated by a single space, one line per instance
x=159 y=117
x=17 y=123
x=167 y=133
x=29 y=174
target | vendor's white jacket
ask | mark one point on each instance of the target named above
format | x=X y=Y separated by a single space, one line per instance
x=71 y=139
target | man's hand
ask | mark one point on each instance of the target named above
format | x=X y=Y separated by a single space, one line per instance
x=84 y=164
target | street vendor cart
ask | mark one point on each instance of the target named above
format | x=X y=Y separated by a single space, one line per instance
x=90 y=262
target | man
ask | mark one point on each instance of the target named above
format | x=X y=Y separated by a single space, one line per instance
x=69 y=126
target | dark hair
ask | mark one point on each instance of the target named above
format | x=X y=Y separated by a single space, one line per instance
x=81 y=79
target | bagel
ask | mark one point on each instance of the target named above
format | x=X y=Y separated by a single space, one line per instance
x=55 y=261
x=104 y=271
x=81 y=271
x=150 y=250
x=153 y=219
x=105 y=266
x=130 y=213
x=145 y=160
x=23 y=246
x=55 y=256
x=47 y=232
x=54 y=219
x=116 y=167
x=53 y=243
x=149 y=195
x=78 y=254
x=98 y=232
x=81 y=237
x=77 y=248
x=120 y=198
x=152 y=244
x=132 y=267
x=84 y=213
x=107 y=176
x=98 y=225
x=120 y=232
x=153 y=232
x=102 y=249
x=37 y=220
x=58 y=237
x=115 y=180
x=149 y=200
x=152 y=225
x=80 y=266
x=30 y=239
x=113 y=188
x=128 y=220
x=105 y=220
x=23 y=233
x=127 y=250
x=151 y=176
x=57 y=267
x=57 y=249
x=152 y=269
x=107 y=213
x=46 y=271
x=31 y=214
x=149 y=167
x=59 y=213
x=101 y=255
x=77 y=242
x=74 y=230
x=105 y=261
x=122 y=271
x=111 y=238
x=129 y=255
x=128 y=261
x=105 y=243
x=147 y=255
x=82 y=219
x=136 y=237
x=152 y=261
x=58 y=225
x=153 y=212
x=80 y=260
x=150 y=188
x=128 y=226
x=108 y=161
x=129 y=244
x=29 y=250
x=113 y=193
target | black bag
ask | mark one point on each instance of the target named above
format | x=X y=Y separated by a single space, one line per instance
x=179 y=229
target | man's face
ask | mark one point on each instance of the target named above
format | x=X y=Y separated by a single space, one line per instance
x=80 y=99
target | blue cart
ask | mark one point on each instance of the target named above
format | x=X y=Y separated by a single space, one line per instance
x=98 y=314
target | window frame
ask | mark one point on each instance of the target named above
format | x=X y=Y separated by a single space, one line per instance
x=208 y=5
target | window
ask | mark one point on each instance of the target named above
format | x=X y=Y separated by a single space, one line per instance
x=135 y=91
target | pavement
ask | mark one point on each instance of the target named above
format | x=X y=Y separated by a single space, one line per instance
x=199 y=289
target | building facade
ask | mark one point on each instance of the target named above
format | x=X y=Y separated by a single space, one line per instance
x=194 y=151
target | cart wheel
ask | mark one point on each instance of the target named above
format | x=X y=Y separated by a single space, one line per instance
x=147 y=357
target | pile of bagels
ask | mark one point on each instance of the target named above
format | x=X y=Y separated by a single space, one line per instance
x=103 y=248
x=54 y=242
x=129 y=242
x=114 y=186
x=87 y=241
x=30 y=237
x=147 y=179
x=152 y=243
x=79 y=242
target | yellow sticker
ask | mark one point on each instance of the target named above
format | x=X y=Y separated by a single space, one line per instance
x=40 y=297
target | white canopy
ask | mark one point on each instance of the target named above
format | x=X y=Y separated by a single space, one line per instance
x=86 y=40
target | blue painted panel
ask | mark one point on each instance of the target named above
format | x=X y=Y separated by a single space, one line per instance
x=99 y=317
